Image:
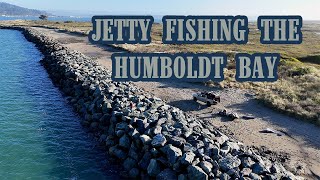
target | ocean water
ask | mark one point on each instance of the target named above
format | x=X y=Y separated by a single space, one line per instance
x=40 y=136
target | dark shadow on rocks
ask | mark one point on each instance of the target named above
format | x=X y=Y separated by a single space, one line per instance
x=188 y=105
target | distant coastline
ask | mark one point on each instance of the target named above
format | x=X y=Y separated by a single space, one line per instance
x=50 y=18
x=56 y=18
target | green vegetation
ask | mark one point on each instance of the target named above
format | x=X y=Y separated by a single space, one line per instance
x=43 y=17
x=297 y=92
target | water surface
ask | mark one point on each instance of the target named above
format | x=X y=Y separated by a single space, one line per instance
x=40 y=135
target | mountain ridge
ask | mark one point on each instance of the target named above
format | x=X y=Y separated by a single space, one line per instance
x=14 y=10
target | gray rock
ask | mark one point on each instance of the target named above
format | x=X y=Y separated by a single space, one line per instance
x=122 y=126
x=167 y=174
x=173 y=153
x=258 y=168
x=187 y=158
x=187 y=133
x=177 y=141
x=229 y=162
x=277 y=168
x=163 y=160
x=272 y=177
x=206 y=166
x=145 y=139
x=134 y=134
x=247 y=162
x=200 y=152
x=195 y=172
x=144 y=162
x=125 y=142
x=97 y=91
x=161 y=121
x=167 y=127
x=224 y=150
x=224 y=176
x=254 y=176
x=154 y=152
x=134 y=173
x=133 y=152
x=188 y=148
x=199 y=144
x=148 y=132
x=158 y=141
x=153 y=117
x=141 y=125
x=233 y=146
x=246 y=172
x=117 y=152
x=177 y=132
x=157 y=130
x=196 y=162
x=215 y=150
x=222 y=139
x=215 y=164
x=182 y=177
x=234 y=173
x=120 y=133
x=129 y=163
x=178 y=167
x=153 y=168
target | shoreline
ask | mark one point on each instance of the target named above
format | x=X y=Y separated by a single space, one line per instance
x=163 y=144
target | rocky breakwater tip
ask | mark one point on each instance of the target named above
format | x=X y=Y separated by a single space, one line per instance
x=150 y=138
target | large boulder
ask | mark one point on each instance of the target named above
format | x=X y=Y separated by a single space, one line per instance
x=173 y=153
x=195 y=172
x=129 y=163
x=117 y=152
x=125 y=142
x=206 y=166
x=158 y=140
x=167 y=174
x=229 y=162
x=187 y=158
x=145 y=139
x=153 y=168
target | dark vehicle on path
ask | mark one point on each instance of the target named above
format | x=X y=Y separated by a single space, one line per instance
x=210 y=98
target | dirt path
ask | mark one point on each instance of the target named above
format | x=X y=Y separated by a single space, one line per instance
x=300 y=147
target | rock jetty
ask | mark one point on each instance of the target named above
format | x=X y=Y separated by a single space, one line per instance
x=152 y=139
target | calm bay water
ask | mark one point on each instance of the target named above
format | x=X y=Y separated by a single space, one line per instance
x=40 y=136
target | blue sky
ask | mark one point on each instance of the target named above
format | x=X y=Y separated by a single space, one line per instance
x=309 y=9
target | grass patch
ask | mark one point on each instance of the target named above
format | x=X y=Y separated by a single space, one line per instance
x=296 y=92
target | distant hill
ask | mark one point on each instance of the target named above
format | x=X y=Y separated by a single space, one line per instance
x=13 y=10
